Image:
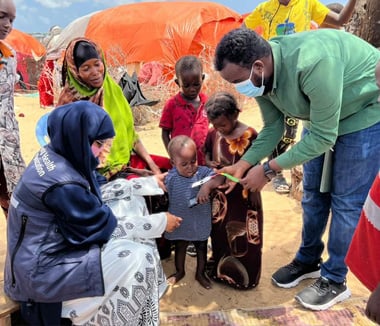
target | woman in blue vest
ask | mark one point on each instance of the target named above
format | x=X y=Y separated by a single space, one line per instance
x=66 y=255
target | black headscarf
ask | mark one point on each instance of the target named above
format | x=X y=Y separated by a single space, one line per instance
x=84 y=51
x=72 y=129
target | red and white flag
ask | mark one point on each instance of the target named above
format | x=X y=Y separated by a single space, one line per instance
x=363 y=257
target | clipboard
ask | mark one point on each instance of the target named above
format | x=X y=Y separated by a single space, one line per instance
x=327 y=168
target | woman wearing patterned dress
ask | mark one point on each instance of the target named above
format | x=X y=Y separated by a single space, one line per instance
x=11 y=162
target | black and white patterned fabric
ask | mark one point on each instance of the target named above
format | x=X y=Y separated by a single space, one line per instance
x=133 y=276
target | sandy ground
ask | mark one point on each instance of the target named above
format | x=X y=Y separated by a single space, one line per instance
x=282 y=227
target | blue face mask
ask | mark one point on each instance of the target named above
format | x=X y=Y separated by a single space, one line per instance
x=247 y=88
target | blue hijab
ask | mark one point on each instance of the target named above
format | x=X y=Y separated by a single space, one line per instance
x=72 y=129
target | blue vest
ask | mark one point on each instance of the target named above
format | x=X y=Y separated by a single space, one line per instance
x=49 y=269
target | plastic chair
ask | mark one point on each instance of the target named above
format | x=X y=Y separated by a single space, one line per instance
x=41 y=130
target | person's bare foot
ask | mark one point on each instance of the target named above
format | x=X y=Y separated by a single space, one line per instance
x=203 y=280
x=174 y=278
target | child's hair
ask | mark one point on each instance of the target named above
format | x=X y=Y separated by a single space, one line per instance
x=188 y=63
x=335 y=7
x=177 y=143
x=221 y=104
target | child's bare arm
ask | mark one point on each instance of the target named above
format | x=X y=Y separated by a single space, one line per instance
x=210 y=163
x=165 y=136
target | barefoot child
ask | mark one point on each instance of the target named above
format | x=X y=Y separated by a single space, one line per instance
x=184 y=113
x=191 y=203
x=237 y=228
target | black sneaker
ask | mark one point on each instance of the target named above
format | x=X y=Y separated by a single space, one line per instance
x=290 y=275
x=323 y=294
x=191 y=251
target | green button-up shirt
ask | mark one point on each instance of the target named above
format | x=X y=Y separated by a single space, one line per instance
x=325 y=78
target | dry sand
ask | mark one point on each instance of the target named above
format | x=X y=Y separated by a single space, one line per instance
x=282 y=227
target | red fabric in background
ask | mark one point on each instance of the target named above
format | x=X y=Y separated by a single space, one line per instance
x=161 y=161
x=138 y=163
x=363 y=257
x=45 y=84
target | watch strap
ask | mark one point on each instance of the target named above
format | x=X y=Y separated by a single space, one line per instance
x=268 y=172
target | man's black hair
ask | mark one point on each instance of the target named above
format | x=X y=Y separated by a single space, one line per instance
x=241 y=46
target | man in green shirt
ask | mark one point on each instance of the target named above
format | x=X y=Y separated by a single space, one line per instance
x=326 y=79
x=294 y=16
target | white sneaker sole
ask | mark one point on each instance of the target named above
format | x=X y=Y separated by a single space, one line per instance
x=341 y=297
x=315 y=274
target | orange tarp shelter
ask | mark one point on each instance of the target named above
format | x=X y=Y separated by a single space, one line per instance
x=29 y=51
x=154 y=31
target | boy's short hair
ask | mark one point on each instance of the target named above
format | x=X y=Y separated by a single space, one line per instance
x=188 y=63
x=178 y=142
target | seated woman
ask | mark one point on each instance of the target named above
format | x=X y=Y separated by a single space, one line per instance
x=85 y=77
x=67 y=253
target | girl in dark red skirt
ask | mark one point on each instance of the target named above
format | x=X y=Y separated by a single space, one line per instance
x=237 y=224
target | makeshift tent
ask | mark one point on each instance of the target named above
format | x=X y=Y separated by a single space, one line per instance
x=75 y=29
x=154 y=31
x=29 y=53
x=48 y=79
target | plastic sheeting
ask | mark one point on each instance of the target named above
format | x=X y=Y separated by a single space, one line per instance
x=29 y=52
x=26 y=44
x=154 y=31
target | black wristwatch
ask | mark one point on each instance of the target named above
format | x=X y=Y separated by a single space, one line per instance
x=268 y=172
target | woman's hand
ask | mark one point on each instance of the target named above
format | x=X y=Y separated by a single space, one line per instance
x=154 y=168
x=173 y=222
x=140 y=172
x=255 y=180
x=141 y=151
x=161 y=180
x=237 y=170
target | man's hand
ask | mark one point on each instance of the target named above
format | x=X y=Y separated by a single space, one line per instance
x=372 y=309
x=237 y=170
x=173 y=222
x=255 y=180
